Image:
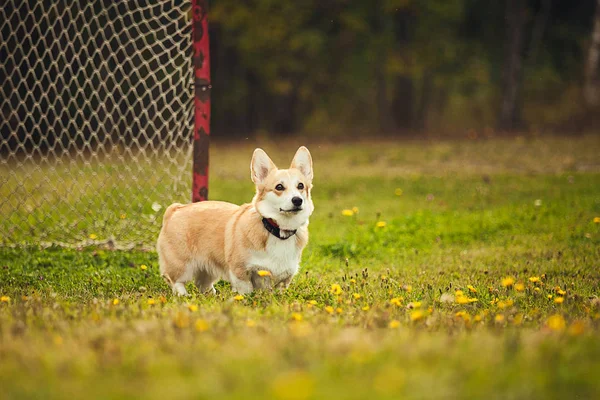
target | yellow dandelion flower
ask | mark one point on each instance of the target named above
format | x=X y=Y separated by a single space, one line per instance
x=123 y=216
x=4 y=299
x=93 y=236
x=558 y=290
x=477 y=318
x=556 y=323
x=398 y=192
x=250 y=323
x=312 y=302
x=417 y=315
x=597 y=220
x=355 y=210
x=347 y=213
x=181 y=320
x=429 y=309
x=396 y=301
x=58 y=340
x=143 y=267
x=383 y=277
x=297 y=316
x=507 y=281
x=151 y=302
x=115 y=302
x=550 y=297
x=519 y=287
x=394 y=324
x=263 y=273
x=414 y=304
x=518 y=319
x=537 y=289
x=577 y=328
x=336 y=289
x=534 y=279
x=192 y=307
x=201 y=325
x=499 y=318
x=238 y=297
x=352 y=280
x=162 y=299
x=329 y=309
x=356 y=296
x=466 y=300
x=339 y=310
x=463 y=315
x=366 y=308
x=502 y=304
x=460 y=298
x=559 y=300
x=381 y=224
x=471 y=289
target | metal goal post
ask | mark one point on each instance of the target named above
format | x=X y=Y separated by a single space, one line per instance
x=104 y=117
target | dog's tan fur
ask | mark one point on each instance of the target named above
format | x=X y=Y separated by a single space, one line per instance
x=214 y=240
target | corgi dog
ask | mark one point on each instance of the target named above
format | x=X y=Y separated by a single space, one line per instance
x=213 y=240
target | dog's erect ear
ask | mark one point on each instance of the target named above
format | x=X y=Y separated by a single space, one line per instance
x=260 y=166
x=303 y=162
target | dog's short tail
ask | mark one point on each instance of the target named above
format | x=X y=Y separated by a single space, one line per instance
x=170 y=210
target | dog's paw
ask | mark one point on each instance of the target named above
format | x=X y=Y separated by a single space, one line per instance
x=242 y=287
x=179 y=289
x=261 y=281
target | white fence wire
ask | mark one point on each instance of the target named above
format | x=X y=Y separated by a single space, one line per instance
x=96 y=118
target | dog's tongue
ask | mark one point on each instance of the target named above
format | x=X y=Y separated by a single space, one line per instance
x=272 y=222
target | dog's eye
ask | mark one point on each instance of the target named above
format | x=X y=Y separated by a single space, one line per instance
x=300 y=186
x=279 y=187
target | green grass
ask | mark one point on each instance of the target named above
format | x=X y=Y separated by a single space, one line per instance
x=470 y=214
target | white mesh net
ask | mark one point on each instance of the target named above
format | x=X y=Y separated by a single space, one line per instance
x=96 y=117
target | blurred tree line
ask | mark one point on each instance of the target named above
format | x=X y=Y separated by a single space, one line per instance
x=404 y=66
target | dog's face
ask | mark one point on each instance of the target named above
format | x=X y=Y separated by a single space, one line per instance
x=283 y=194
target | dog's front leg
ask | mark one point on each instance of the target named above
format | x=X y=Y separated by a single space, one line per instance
x=240 y=280
x=260 y=282
x=284 y=284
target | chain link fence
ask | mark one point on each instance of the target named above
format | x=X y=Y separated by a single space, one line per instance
x=96 y=119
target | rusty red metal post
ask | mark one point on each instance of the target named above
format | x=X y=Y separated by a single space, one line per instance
x=202 y=89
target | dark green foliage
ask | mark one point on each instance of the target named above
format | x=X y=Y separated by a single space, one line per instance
x=340 y=67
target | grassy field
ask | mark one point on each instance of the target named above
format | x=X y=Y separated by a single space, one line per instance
x=447 y=270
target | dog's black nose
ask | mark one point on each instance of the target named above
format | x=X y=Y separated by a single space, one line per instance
x=297 y=201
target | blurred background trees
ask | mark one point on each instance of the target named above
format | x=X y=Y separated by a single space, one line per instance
x=403 y=67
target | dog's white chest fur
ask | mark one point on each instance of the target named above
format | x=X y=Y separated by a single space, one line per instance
x=280 y=257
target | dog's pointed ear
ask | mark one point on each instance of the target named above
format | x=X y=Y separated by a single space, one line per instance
x=260 y=166
x=303 y=162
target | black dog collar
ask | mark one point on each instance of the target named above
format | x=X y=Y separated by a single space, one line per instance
x=274 y=229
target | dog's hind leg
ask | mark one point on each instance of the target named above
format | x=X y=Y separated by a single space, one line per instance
x=204 y=281
x=241 y=286
x=172 y=272
x=179 y=289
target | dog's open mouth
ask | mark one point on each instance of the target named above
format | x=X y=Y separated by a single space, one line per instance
x=292 y=210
